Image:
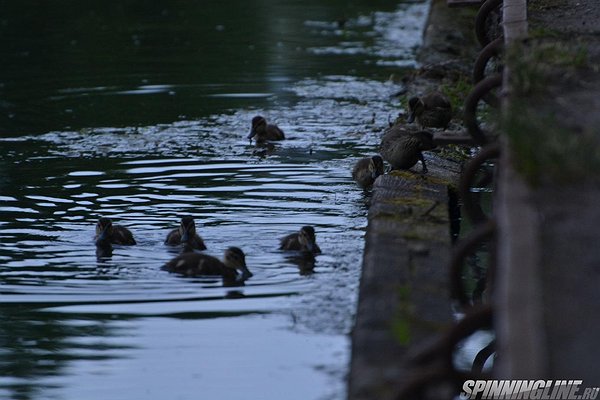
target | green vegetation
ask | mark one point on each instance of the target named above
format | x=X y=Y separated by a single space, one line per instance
x=540 y=5
x=407 y=322
x=401 y=324
x=457 y=91
x=544 y=148
x=545 y=151
x=543 y=32
x=535 y=64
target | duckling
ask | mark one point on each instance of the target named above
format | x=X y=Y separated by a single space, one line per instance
x=104 y=249
x=264 y=131
x=186 y=233
x=366 y=170
x=107 y=233
x=303 y=240
x=432 y=110
x=403 y=148
x=195 y=264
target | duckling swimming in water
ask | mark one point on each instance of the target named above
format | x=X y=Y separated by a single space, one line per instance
x=366 y=170
x=107 y=233
x=304 y=240
x=432 y=110
x=195 y=264
x=186 y=233
x=403 y=148
x=104 y=249
x=264 y=131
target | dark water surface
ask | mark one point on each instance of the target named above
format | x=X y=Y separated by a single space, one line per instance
x=139 y=111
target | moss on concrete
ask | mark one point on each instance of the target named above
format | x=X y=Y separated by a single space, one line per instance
x=420 y=178
x=544 y=151
x=536 y=63
x=544 y=147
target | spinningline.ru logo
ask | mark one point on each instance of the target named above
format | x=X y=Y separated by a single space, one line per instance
x=527 y=389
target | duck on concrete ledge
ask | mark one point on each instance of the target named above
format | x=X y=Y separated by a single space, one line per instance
x=196 y=264
x=433 y=110
x=403 y=148
x=186 y=233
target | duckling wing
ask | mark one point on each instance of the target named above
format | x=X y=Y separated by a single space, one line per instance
x=122 y=235
x=403 y=152
x=194 y=264
x=274 y=133
x=179 y=263
x=290 y=242
x=198 y=243
x=360 y=167
x=393 y=133
x=436 y=99
x=173 y=238
x=208 y=265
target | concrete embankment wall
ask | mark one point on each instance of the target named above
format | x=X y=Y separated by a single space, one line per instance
x=404 y=302
x=545 y=300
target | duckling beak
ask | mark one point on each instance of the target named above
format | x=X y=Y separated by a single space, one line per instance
x=245 y=273
x=252 y=134
x=185 y=237
x=103 y=239
x=103 y=234
x=411 y=117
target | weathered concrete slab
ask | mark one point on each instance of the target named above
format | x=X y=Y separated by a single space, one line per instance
x=404 y=297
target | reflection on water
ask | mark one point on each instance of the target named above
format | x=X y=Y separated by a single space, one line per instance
x=150 y=125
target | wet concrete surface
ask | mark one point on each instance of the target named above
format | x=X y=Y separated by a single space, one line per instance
x=404 y=300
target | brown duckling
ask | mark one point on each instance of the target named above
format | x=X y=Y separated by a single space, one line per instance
x=107 y=233
x=431 y=111
x=263 y=131
x=186 y=233
x=304 y=240
x=403 y=149
x=196 y=264
x=366 y=170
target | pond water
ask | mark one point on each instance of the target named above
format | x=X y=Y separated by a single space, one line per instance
x=140 y=111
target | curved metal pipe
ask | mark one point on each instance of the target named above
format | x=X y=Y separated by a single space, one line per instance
x=471 y=102
x=472 y=209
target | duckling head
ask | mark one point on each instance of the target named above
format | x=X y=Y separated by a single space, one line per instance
x=415 y=108
x=187 y=229
x=259 y=125
x=103 y=233
x=236 y=259
x=307 y=238
x=104 y=229
x=376 y=166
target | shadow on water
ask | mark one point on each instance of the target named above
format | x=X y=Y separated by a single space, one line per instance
x=140 y=112
x=36 y=345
